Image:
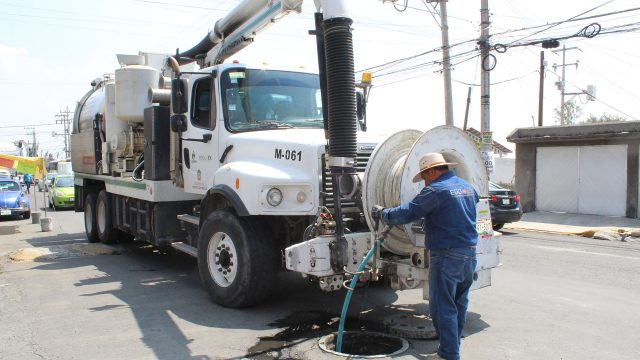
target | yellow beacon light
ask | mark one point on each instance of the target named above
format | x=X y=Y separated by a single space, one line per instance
x=366 y=77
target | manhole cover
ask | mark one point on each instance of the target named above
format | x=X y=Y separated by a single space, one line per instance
x=411 y=326
x=365 y=344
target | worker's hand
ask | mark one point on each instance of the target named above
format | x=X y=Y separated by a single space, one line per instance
x=376 y=212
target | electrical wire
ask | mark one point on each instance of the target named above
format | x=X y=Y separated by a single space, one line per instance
x=596 y=98
x=562 y=22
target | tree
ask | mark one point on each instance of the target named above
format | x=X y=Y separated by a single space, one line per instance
x=571 y=111
x=604 y=118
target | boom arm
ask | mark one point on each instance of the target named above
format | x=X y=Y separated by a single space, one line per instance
x=237 y=29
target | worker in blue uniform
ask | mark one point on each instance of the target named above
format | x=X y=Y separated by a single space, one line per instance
x=448 y=205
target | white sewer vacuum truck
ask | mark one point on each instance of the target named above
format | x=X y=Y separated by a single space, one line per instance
x=253 y=170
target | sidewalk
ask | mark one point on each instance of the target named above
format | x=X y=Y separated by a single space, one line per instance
x=576 y=224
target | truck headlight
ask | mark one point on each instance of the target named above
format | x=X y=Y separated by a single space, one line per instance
x=274 y=197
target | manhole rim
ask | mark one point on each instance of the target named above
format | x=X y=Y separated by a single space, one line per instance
x=322 y=343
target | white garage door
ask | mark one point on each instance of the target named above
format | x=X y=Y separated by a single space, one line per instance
x=582 y=179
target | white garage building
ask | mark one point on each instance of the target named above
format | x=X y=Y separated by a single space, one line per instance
x=581 y=169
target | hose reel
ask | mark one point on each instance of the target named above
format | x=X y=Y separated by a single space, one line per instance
x=388 y=176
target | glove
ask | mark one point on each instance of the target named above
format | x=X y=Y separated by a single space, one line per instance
x=376 y=212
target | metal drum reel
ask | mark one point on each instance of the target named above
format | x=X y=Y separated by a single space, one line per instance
x=388 y=177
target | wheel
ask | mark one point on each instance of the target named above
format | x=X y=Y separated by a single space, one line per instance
x=497 y=226
x=237 y=260
x=90 y=218
x=26 y=215
x=104 y=223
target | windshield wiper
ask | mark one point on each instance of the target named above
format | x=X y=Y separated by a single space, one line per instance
x=275 y=124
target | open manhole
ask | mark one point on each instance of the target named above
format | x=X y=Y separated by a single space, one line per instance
x=365 y=344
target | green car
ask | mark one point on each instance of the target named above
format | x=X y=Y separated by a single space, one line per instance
x=62 y=193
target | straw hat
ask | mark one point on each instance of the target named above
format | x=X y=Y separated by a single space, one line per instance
x=428 y=161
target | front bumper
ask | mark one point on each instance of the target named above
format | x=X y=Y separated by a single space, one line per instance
x=13 y=212
x=63 y=201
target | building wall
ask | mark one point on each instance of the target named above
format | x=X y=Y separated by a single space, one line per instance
x=525 y=170
x=504 y=170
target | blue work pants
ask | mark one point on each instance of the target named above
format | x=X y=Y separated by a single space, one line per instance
x=450 y=278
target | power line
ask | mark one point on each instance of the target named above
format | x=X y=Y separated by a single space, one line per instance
x=562 y=22
x=20 y=126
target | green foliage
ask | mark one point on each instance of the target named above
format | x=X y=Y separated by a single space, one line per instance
x=604 y=118
x=571 y=111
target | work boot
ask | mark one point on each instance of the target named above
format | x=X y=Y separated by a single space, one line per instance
x=435 y=356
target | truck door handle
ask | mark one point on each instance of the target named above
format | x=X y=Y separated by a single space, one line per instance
x=205 y=138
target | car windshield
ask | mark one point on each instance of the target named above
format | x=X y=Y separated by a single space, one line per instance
x=260 y=100
x=64 y=182
x=9 y=186
x=493 y=186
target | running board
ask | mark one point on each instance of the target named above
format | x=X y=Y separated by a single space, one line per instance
x=185 y=248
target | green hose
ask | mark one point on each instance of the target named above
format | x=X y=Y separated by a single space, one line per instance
x=352 y=285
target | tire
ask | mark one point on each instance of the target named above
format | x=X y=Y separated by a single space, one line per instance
x=26 y=215
x=90 y=218
x=237 y=260
x=497 y=226
x=104 y=222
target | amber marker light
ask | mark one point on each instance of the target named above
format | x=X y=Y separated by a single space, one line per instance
x=237 y=183
x=366 y=77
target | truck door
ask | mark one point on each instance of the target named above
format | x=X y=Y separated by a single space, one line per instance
x=200 y=141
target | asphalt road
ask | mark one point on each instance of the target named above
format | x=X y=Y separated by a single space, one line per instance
x=555 y=297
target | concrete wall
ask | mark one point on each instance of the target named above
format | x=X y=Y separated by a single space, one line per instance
x=525 y=184
x=504 y=170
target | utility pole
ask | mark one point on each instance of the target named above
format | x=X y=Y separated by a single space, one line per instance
x=65 y=120
x=486 y=144
x=541 y=91
x=446 y=64
x=33 y=151
x=561 y=84
x=466 y=110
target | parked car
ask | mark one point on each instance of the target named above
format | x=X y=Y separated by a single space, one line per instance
x=13 y=201
x=45 y=184
x=504 y=204
x=4 y=173
x=62 y=193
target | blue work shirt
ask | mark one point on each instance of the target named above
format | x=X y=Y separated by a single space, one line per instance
x=448 y=206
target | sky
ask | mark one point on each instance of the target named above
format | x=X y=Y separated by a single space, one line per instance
x=51 y=51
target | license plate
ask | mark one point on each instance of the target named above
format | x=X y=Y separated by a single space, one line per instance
x=5 y=212
x=506 y=201
x=71 y=199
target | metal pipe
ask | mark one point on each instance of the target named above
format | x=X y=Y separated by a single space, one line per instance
x=241 y=15
x=160 y=96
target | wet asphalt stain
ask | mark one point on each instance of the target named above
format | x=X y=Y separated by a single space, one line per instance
x=301 y=326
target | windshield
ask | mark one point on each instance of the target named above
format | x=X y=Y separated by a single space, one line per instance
x=261 y=99
x=64 y=182
x=9 y=186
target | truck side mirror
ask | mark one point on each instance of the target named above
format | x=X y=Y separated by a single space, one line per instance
x=361 y=110
x=178 y=123
x=179 y=96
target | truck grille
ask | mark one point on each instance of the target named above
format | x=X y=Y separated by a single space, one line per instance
x=348 y=205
